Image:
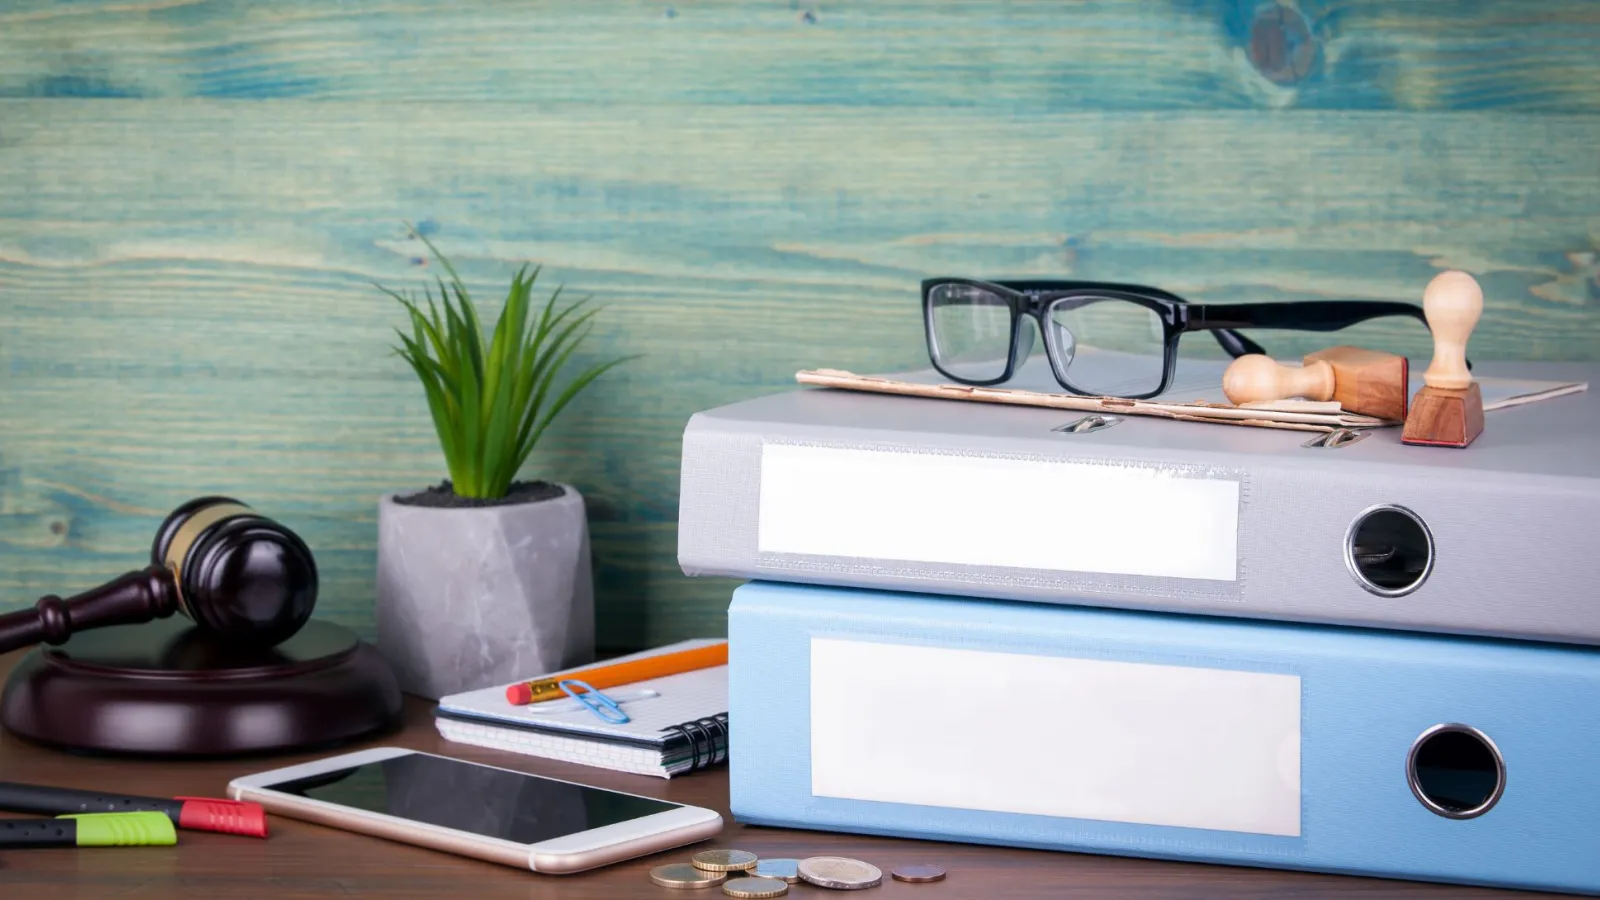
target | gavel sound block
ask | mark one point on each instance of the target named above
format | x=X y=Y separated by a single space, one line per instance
x=1365 y=382
x=1448 y=409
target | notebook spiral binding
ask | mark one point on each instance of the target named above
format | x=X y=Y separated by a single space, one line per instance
x=710 y=733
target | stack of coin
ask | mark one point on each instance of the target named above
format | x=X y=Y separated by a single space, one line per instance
x=918 y=874
x=725 y=860
x=755 y=888
x=840 y=873
x=763 y=878
x=785 y=870
x=684 y=875
x=710 y=868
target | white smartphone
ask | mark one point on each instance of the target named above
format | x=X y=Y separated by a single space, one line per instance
x=511 y=818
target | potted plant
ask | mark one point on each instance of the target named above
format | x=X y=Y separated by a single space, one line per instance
x=484 y=578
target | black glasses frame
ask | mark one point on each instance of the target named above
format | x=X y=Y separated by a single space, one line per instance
x=1037 y=299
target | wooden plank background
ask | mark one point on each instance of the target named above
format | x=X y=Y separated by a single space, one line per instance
x=196 y=197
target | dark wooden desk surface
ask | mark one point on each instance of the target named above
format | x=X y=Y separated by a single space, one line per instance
x=301 y=860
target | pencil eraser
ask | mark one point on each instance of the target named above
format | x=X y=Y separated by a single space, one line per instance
x=519 y=694
x=222 y=816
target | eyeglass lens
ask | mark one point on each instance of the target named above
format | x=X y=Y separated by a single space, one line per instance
x=1107 y=346
x=1099 y=345
x=970 y=331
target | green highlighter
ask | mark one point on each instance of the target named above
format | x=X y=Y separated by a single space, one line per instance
x=129 y=829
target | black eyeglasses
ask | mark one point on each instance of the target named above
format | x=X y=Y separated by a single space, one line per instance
x=1105 y=340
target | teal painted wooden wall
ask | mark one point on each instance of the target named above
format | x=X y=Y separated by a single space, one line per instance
x=195 y=198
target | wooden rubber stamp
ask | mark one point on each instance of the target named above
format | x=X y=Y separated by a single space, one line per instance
x=1365 y=382
x=1448 y=410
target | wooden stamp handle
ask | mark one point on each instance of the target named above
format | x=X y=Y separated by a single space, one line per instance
x=1255 y=378
x=1452 y=304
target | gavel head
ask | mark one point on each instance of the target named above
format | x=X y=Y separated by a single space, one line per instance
x=240 y=575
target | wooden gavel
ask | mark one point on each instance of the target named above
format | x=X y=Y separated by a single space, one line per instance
x=240 y=576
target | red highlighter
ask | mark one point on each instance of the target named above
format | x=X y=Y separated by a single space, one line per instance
x=191 y=813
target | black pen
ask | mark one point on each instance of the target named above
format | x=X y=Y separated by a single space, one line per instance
x=192 y=813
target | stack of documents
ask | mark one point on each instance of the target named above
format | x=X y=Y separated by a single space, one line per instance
x=1065 y=625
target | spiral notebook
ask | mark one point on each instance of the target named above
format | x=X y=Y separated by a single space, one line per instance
x=677 y=723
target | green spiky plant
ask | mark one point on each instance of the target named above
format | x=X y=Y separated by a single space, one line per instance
x=491 y=404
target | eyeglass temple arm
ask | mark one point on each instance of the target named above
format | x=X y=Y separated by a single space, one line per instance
x=1236 y=344
x=1312 y=315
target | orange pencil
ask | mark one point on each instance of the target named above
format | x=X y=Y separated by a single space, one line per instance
x=615 y=674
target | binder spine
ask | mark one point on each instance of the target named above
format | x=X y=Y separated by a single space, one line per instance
x=1322 y=748
x=1308 y=540
x=707 y=739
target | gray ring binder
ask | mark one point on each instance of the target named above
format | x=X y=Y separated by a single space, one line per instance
x=1353 y=563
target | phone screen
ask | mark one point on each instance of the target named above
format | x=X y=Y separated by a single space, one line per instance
x=468 y=797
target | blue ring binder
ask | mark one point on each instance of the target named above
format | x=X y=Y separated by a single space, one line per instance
x=1312 y=750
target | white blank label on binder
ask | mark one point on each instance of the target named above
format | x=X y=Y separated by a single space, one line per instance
x=1054 y=736
x=984 y=511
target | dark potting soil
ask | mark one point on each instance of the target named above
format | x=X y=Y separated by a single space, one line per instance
x=443 y=496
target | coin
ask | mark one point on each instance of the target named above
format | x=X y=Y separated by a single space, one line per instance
x=918 y=873
x=840 y=873
x=787 y=870
x=683 y=875
x=755 y=887
x=724 y=860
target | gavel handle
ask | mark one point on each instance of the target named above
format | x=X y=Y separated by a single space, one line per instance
x=135 y=597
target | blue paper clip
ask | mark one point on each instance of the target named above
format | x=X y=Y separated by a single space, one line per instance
x=598 y=703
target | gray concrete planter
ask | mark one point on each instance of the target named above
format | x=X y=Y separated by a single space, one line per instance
x=475 y=597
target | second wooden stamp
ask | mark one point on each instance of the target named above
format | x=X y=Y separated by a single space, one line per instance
x=1448 y=410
